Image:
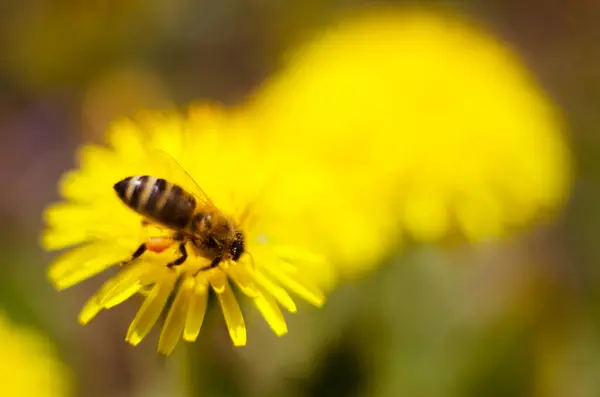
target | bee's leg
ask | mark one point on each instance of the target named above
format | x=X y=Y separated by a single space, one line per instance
x=138 y=252
x=215 y=262
x=154 y=244
x=181 y=259
x=179 y=236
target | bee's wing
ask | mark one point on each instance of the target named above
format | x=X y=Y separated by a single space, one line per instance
x=175 y=173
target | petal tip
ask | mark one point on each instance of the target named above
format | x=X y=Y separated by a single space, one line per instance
x=88 y=313
x=133 y=339
x=58 y=283
x=165 y=350
x=190 y=337
x=318 y=301
x=238 y=336
x=280 y=331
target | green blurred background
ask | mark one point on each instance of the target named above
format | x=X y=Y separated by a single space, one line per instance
x=515 y=319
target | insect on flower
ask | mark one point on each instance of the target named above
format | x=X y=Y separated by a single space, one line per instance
x=135 y=205
x=192 y=216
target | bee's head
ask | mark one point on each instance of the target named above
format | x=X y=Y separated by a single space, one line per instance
x=237 y=247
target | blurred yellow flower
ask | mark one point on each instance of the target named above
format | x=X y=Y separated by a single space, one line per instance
x=212 y=146
x=425 y=124
x=29 y=365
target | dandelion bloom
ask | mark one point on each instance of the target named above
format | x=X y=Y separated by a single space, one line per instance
x=213 y=148
x=423 y=118
x=29 y=365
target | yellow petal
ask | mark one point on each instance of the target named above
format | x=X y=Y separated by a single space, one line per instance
x=197 y=309
x=64 y=212
x=119 y=288
x=126 y=139
x=232 y=313
x=167 y=133
x=94 y=157
x=120 y=294
x=103 y=296
x=175 y=322
x=113 y=290
x=151 y=309
x=91 y=216
x=295 y=254
x=425 y=215
x=84 y=262
x=269 y=256
x=276 y=291
x=298 y=284
x=154 y=270
x=218 y=280
x=55 y=239
x=308 y=263
x=69 y=186
x=272 y=314
x=242 y=277
x=90 y=310
x=123 y=231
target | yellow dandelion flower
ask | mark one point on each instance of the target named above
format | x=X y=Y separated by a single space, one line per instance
x=210 y=148
x=336 y=214
x=424 y=118
x=29 y=366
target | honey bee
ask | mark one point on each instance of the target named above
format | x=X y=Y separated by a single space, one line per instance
x=191 y=216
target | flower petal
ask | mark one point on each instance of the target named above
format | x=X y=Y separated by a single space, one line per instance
x=126 y=139
x=112 y=292
x=122 y=286
x=317 y=267
x=151 y=309
x=175 y=322
x=84 y=262
x=296 y=254
x=67 y=180
x=271 y=313
x=244 y=280
x=276 y=291
x=90 y=310
x=53 y=239
x=196 y=311
x=65 y=223
x=73 y=223
x=298 y=284
x=218 y=279
x=231 y=312
x=117 y=290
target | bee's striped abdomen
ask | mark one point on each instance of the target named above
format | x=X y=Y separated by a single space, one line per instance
x=157 y=199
